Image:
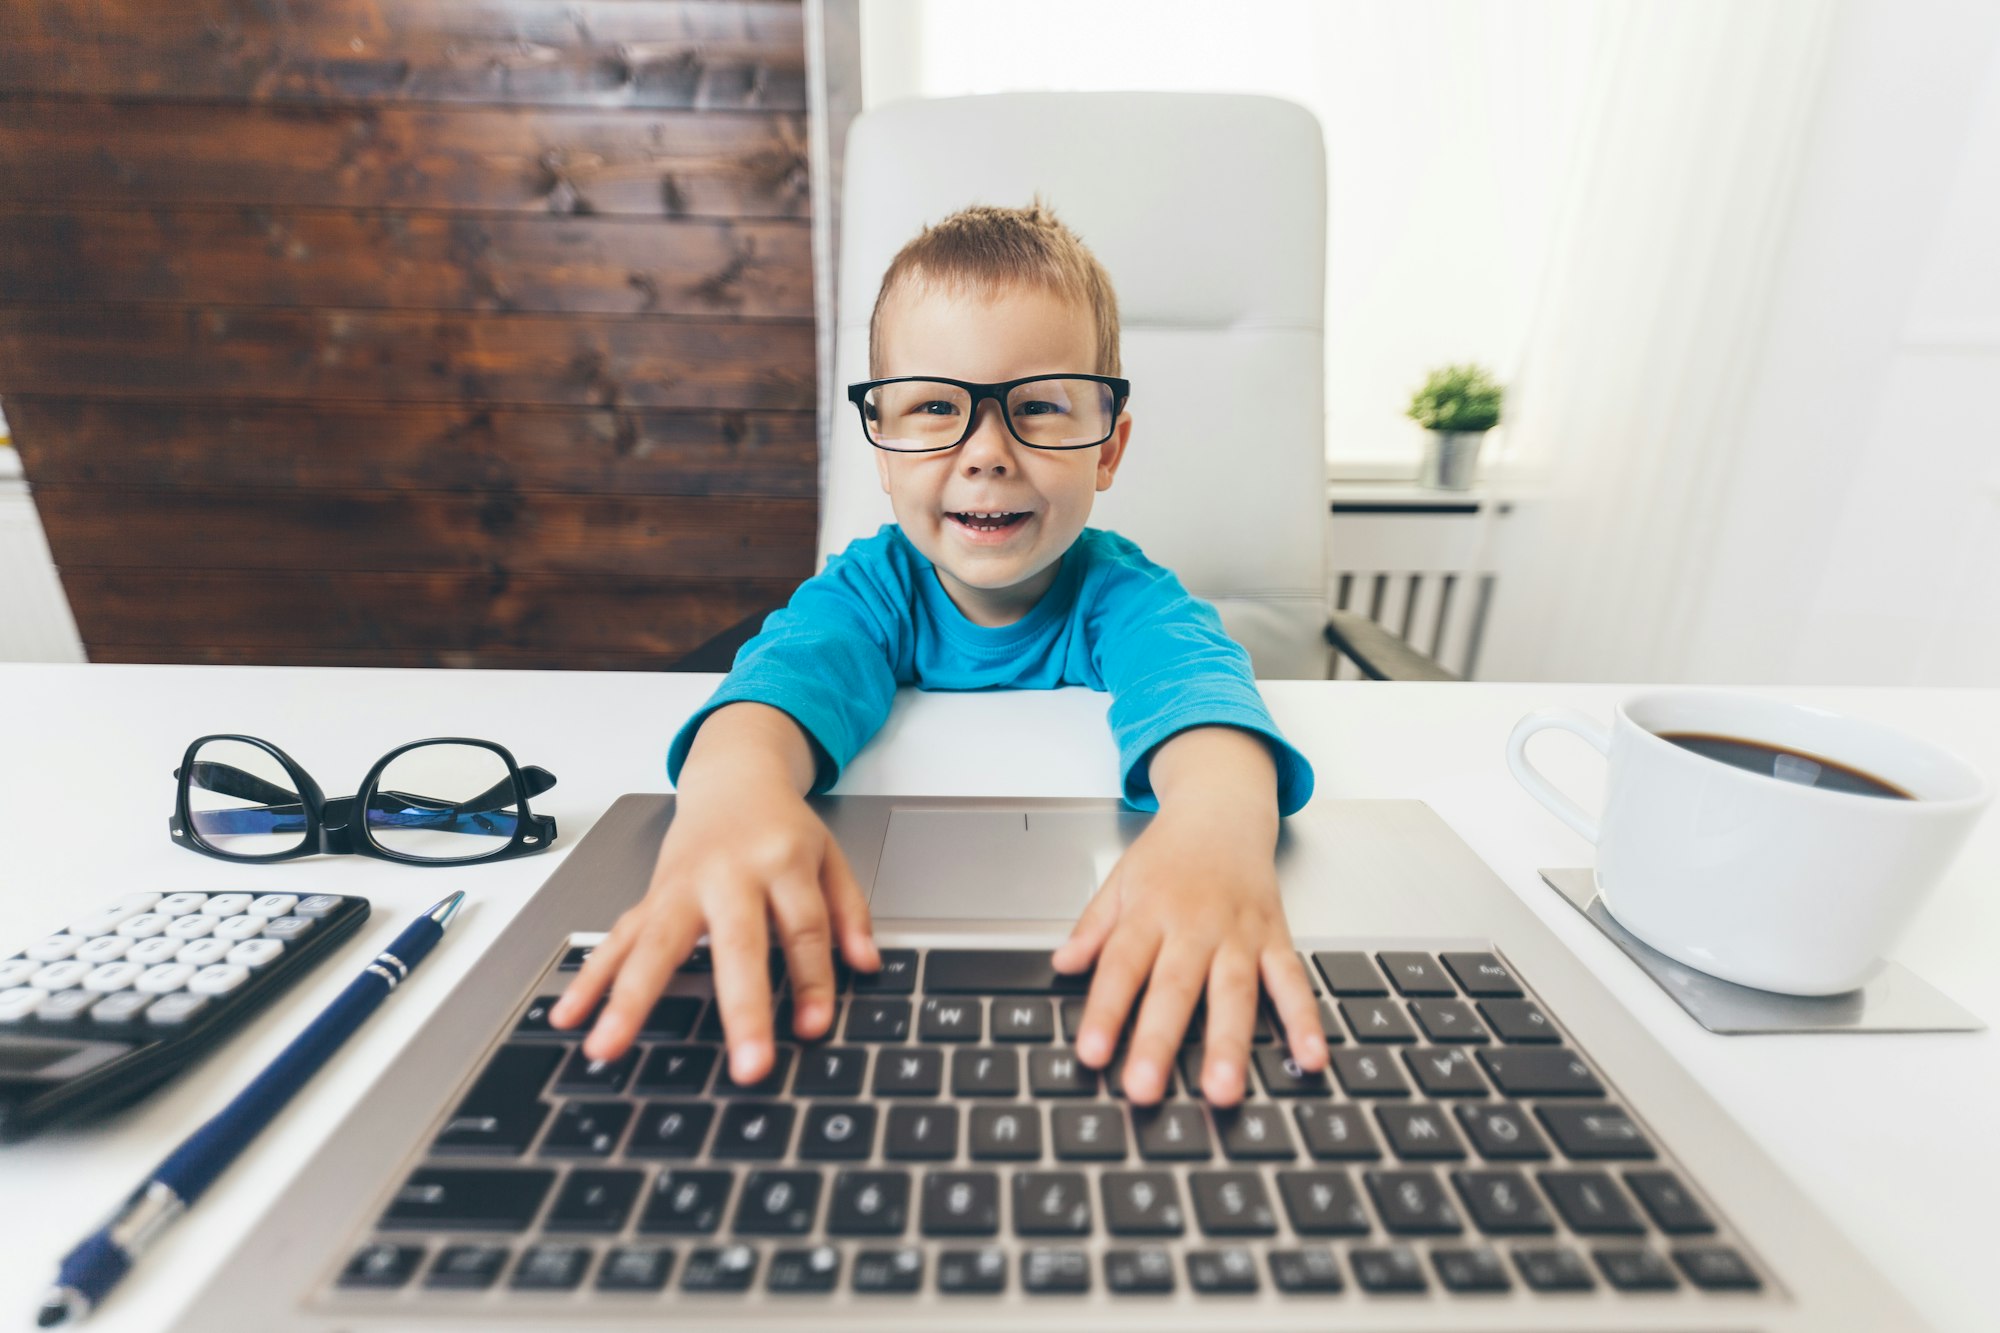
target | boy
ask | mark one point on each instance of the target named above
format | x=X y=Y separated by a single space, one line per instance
x=987 y=579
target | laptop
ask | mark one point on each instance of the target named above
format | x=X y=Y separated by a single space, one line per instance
x=1499 y=1145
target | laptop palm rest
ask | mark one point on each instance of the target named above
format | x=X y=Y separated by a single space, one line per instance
x=1025 y=865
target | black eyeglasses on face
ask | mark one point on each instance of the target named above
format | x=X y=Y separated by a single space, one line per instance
x=444 y=801
x=914 y=414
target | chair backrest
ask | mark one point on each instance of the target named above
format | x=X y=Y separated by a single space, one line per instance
x=1209 y=213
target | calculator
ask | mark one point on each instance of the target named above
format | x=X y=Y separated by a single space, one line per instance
x=101 y=1013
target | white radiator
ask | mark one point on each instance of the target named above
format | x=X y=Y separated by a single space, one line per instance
x=1420 y=570
x=35 y=623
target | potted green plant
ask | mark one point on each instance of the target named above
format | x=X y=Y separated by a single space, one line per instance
x=1457 y=405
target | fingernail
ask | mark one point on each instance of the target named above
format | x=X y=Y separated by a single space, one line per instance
x=739 y=1061
x=1092 y=1047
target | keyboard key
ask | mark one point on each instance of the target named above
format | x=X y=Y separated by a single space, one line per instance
x=897 y=1272
x=1389 y=1270
x=1590 y=1133
x=438 y=1198
x=635 y=1268
x=1142 y=1203
x=1377 y=1020
x=581 y=1074
x=898 y=975
x=778 y=1203
x=534 y=1021
x=1173 y=1132
x=1591 y=1203
x=1089 y=1133
x=1716 y=1268
x=1023 y=1020
x=670 y=1129
x=921 y=1134
x=1283 y=1076
x=1503 y=1132
x=499 y=1128
x=985 y=1071
x=1502 y=1203
x=1420 y=1133
x=796 y=1271
x=914 y=1072
x=1148 y=1271
x=878 y=1020
x=1470 y=1270
x=1323 y=1203
x=1060 y=1074
x=727 y=1268
x=1448 y=1021
x=550 y=1268
x=1255 y=1132
x=1006 y=1133
x=1305 y=1272
x=1368 y=1074
x=1416 y=974
x=587 y=1129
x=754 y=1130
x=1230 y=1271
x=467 y=1267
x=972 y=1272
x=997 y=972
x=950 y=1020
x=838 y=1131
x=770 y=1085
x=592 y=1200
x=961 y=1203
x=671 y=1018
x=1635 y=1270
x=1481 y=974
x=1673 y=1209
x=1193 y=1058
x=1413 y=1203
x=1114 y=1076
x=869 y=1203
x=1051 y=1203
x=576 y=956
x=1553 y=1269
x=686 y=1202
x=1552 y=1072
x=831 y=1071
x=1350 y=974
x=1336 y=1133
x=1046 y=1271
x=381 y=1267
x=679 y=1070
x=1232 y=1203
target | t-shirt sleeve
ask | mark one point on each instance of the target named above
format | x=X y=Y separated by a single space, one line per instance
x=825 y=659
x=1169 y=665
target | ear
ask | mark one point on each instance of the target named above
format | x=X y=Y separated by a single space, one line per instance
x=1112 y=452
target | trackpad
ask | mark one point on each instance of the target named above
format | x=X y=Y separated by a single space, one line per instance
x=997 y=864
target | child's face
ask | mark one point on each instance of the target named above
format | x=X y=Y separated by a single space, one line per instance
x=994 y=577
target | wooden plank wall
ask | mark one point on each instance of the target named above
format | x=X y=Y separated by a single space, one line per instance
x=410 y=332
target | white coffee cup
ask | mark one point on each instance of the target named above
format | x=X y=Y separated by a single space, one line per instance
x=1748 y=877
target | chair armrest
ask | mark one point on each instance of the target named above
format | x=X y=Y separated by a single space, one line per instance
x=1379 y=654
x=718 y=652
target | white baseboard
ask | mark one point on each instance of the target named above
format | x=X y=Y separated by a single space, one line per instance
x=35 y=620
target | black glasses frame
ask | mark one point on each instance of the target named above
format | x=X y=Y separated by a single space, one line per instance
x=1121 y=390
x=331 y=827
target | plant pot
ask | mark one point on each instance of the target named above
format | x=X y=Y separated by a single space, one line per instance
x=1451 y=457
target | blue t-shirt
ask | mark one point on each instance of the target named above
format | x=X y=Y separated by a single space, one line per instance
x=876 y=617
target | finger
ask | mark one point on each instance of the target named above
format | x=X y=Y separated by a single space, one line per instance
x=1093 y=927
x=579 y=999
x=798 y=909
x=1298 y=1009
x=1232 y=1013
x=740 y=946
x=848 y=906
x=659 y=946
x=1163 y=1020
x=1121 y=971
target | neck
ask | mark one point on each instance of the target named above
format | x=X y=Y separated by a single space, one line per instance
x=991 y=608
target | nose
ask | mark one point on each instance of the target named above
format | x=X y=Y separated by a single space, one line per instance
x=989 y=448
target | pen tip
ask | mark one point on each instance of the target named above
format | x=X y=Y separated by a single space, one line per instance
x=59 y=1307
x=444 y=911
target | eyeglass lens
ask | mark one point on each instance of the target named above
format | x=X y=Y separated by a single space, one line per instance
x=241 y=801
x=932 y=414
x=444 y=803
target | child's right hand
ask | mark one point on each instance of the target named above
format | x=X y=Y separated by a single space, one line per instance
x=744 y=852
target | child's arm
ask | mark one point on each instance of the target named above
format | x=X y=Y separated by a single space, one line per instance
x=743 y=845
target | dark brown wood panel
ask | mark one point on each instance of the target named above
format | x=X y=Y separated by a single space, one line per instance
x=604 y=53
x=436 y=619
x=584 y=535
x=407 y=261
x=652 y=164
x=545 y=658
x=236 y=352
x=225 y=446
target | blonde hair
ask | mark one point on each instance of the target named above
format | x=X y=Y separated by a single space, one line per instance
x=989 y=249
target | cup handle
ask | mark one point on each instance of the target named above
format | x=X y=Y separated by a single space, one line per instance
x=1539 y=787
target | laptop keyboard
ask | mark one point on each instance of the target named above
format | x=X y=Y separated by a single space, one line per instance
x=944 y=1140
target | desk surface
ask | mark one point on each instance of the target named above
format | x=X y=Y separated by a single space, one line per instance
x=1891 y=1135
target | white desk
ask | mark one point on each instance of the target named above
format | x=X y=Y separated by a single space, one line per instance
x=1892 y=1136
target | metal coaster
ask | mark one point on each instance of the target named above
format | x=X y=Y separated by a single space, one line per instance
x=1895 y=999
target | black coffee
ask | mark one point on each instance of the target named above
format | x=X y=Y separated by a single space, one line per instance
x=1806 y=770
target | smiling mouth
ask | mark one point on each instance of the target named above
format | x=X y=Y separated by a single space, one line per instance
x=988 y=522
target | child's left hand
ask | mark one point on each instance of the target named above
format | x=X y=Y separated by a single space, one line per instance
x=1193 y=903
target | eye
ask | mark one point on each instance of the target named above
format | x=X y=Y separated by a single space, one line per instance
x=936 y=407
x=1037 y=407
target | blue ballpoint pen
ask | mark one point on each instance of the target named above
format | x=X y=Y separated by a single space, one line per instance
x=95 y=1266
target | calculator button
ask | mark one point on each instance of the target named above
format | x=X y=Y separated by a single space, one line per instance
x=18 y=1003
x=65 y=1005
x=164 y=978
x=143 y=926
x=103 y=949
x=104 y=922
x=217 y=979
x=138 y=902
x=255 y=953
x=243 y=927
x=227 y=904
x=16 y=971
x=286 y=928
x=273 y=904
x=192 y=927
x=108 y=977
x=200 y=953
x=181 y=904
x=318 y=904
x=55 y=948
x=120 y=1008
x=60 y=976
x=158 y=949
x=172 y=1010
